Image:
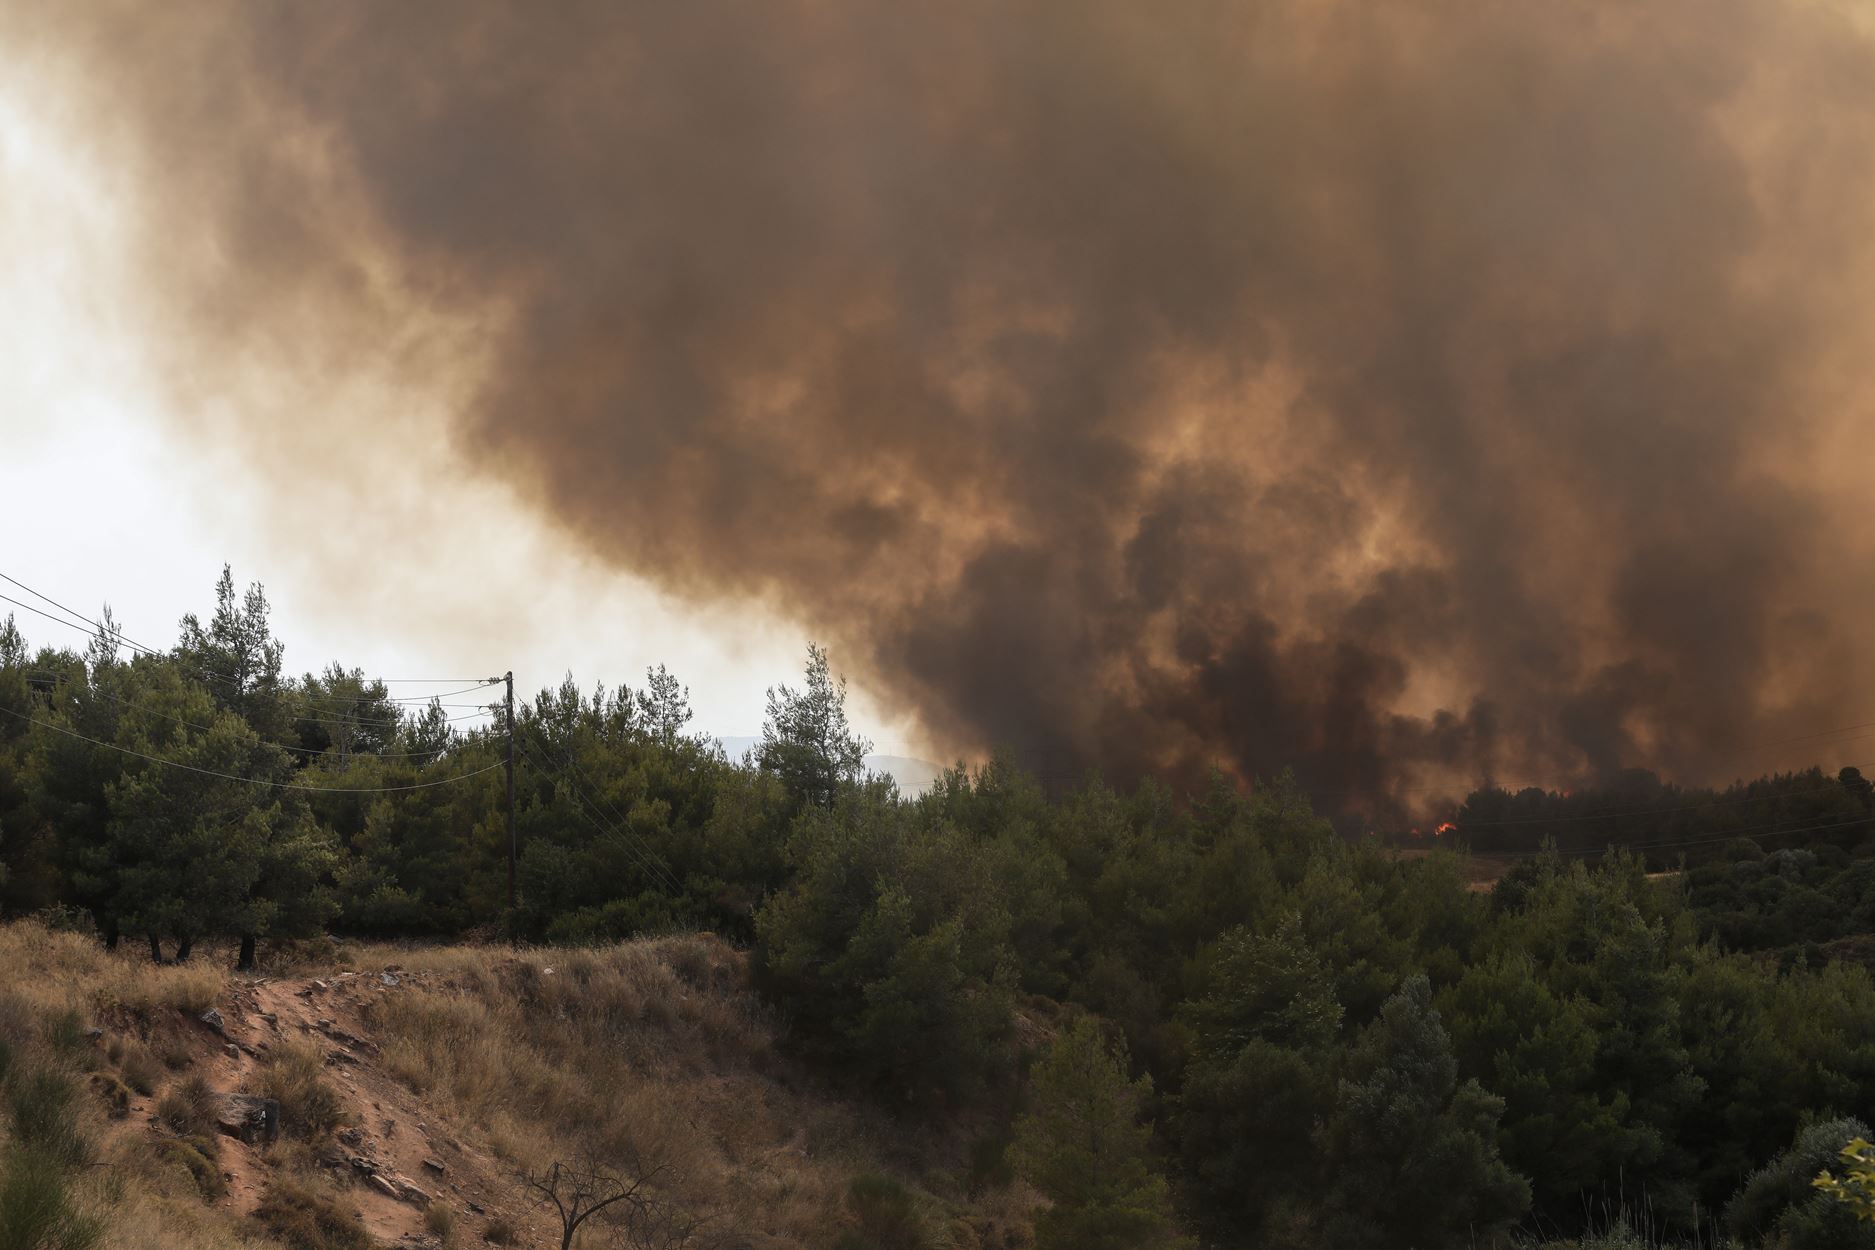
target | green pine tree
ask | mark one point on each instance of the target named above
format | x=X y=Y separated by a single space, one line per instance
x=1082 y=1144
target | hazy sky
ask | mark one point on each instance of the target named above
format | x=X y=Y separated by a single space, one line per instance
x=401 y=560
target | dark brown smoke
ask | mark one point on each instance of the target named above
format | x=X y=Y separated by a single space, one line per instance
x=1408 y=394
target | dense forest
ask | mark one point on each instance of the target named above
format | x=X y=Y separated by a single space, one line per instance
x=1205 y=1011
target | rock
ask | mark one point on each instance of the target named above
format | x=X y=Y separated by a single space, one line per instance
x=94 y=1032
x=476 y=1207
x=412 y=1194
x=249 y=1119
x=434 y=1165
x=383 y=1186
x=352 y=1136
x=213 y=1020
x=387 y=978
x=234 y=1052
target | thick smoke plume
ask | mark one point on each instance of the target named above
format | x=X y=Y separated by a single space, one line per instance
x=1408 y=393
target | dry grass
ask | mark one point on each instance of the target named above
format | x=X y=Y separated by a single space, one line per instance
x=143 y=1218
x=57 y=971
x=304 y=1217
x=294 y=1075
x=188 y=1107
x=648 y=1053
x=440 y=1219
x=139 y=1068
x=654 y=1051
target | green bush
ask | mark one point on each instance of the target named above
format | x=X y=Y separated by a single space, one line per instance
x=1779 y=1207
x=40 y=1106
x=198 y=1156
x=36 y=1209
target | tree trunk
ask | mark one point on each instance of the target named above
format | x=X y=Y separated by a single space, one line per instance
x=246 y=961
x=183 y=948
x=110 y=935
x=156 y=949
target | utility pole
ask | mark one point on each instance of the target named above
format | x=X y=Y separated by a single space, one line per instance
x=509 y=678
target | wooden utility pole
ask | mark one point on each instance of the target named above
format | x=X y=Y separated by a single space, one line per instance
x=509 y=678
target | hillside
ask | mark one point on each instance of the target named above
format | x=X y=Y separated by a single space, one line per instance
x=416 y=1087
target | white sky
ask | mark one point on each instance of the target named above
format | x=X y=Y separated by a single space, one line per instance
x=105 y=496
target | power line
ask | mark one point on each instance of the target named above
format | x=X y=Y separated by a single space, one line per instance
x=257 y=781
x=30 y=608
x=118 y=634
x=598 y=797
x=647 y=858
x=590 y=807
x=311 y=701
x=309 y=751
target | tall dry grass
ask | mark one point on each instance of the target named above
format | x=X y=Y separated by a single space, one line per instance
x=655 y=1053
x=56 y=971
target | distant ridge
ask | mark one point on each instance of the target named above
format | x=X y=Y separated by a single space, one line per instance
x=914 y=776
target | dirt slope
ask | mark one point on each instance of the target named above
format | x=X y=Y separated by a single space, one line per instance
x=394 y=1157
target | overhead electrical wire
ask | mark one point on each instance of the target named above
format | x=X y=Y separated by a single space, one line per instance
x=111 y=631
x=256 y=781
x=590 y=806
x=634 y=846
x=593 y=808
x=431 y=754
x=646 y=857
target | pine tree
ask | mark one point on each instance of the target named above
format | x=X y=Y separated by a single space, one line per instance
x=1416 y=1160
x=1082 y=1144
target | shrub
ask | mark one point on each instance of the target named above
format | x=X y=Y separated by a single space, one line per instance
x=36 y=1210
x=990 y=1167
x=295 y=1077
x=65 y=1033
x=888 y=1216
x=140 y=1069
x=500 y=1232
x=113 y=1093
x=305 y=1219
x=1779 y=1202
x=441 y=1221
x=197 y=1156
x=40 y=1106
x=189 y=1107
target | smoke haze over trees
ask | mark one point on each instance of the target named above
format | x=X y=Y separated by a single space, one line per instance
x=1406 y=396
x=1267 y=1033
